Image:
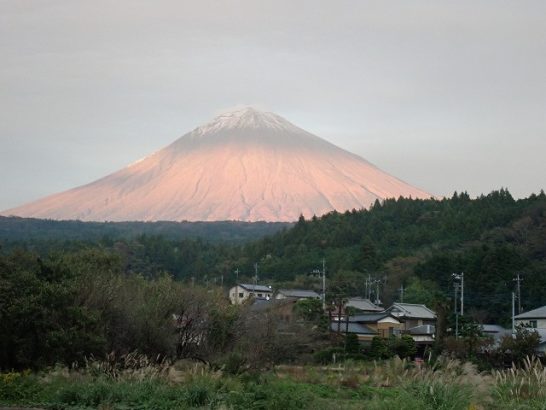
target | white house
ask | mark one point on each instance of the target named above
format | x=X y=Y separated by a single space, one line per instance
x=241 y=292
x=535 y=319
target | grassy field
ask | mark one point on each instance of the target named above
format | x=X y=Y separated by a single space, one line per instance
x=394 y=384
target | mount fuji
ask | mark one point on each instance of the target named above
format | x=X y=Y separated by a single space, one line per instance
x=244 y=165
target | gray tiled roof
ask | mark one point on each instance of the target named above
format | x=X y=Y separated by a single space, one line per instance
x=363 y=304
x=494 y=329
x=255 y=288
x=539 y=313
x=410 y=310
x=299 y=293
x=353 y=328
x=369 y=317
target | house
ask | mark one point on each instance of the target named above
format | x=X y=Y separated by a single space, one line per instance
x=363 y=332
x=296 y=294
x=362 y=305
x=495 y=332
x=423 y=334
x=534 y=319
x=412 y=315
x=367 y=325
x=243 y=291
x=383 y=324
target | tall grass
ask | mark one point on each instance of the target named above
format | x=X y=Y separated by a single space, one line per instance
x=134 y=382
x=522 y=386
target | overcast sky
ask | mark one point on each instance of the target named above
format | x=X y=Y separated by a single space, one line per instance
x=444 y=95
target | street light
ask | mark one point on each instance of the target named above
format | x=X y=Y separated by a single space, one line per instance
x=460 y=277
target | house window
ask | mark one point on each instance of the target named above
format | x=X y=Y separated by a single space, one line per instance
x=260 y=295
x=241 y=294
x=533 y=324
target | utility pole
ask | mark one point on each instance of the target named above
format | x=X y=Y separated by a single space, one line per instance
x=323 y=283
x=456 y=288
x=460 y=276
x=518 y=281
x=237 y=276
x=513 y=313
x=401 y=293
x=462 y=293
x=369 y=295
x=255 y=276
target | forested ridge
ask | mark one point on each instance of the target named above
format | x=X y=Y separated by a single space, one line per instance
x=419 y=244
x=29 y=230
x=412 y=243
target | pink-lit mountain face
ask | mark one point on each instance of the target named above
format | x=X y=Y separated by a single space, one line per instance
x=245 y=165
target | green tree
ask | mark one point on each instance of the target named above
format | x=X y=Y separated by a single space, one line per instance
x=352 y=344
x=405 y=347
x=379 y=349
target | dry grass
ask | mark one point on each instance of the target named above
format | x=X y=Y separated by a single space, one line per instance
x=131 y=366
x=522 y=384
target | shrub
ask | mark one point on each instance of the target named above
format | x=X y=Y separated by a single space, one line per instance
x=17 y=387
x=379 y=349
x=326 y=356
x=352 y=344
x=234 y=363
x=405 y=347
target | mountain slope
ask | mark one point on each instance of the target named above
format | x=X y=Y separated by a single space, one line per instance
x=245 y=165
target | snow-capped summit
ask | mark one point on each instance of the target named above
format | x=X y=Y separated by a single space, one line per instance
x=243 y=165
x=248 y=118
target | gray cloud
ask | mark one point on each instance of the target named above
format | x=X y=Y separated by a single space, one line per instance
x=446 y=95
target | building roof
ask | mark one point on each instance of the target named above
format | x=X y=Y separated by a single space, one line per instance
x=410 y=310
x=299 y=293
x=259 y=304
x=352 y=328
x=422 y=330
x=539 y=313
x=496 y=332
x=363 y=304
x=494 y=329
x=255 y=288
x=370 y=317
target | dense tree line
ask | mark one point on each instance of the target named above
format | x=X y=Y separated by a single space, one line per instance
x=419 y=244
x=66 y=308
x=16 y=229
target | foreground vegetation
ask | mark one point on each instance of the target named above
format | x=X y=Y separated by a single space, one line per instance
x=395 y=384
